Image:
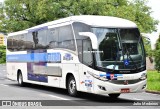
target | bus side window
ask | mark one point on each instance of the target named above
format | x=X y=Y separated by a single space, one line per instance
x=79 y=47
x=52 y=38
x=9 y=43
x=21 y=43
x=41 y=35
x=87 y=52
x=29 y=43
x=15 y=43
x=66 y=38
x=80 y=27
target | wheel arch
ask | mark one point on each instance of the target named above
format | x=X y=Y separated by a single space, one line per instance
x=68 y=75
x=76 y=77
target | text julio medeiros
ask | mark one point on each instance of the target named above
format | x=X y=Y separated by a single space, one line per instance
x=146 y=103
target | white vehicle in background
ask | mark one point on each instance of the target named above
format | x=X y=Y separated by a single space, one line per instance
x=94 y=54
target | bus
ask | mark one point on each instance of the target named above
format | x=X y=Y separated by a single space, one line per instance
x=86 y=53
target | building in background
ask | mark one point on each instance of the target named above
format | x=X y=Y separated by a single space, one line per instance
x=3 y=39
x=152 y=38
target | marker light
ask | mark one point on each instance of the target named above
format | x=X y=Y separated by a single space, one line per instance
x=143 y=76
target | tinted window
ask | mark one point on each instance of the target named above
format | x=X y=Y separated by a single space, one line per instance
x=87 y=52
x=52 y=38
x=66 y=38
x=40 y=39
x=80 y=27
x=36 y=40
x=9 y=43
x=16 y=43
x=21 y=43
x=29 y=43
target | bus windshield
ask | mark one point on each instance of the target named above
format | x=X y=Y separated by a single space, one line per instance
x=119 y=48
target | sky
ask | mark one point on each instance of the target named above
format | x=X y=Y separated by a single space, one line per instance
x=155 y=8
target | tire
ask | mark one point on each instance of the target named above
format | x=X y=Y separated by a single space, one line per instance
x=114 y=96
x=71 y=86
x=20 y=79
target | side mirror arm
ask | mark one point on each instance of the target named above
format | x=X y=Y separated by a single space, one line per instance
x=92 y=37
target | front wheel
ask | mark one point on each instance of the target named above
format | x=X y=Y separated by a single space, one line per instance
x=71 y=86
x=114 y=95
x=20 y=79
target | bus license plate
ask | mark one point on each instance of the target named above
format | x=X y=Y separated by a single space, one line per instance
x=125 y=90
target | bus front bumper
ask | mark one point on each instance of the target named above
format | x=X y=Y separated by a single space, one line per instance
x=102 y=87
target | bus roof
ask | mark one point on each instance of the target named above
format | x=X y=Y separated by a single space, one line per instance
x=17 y=33
x=105 y=21
x=92 y=20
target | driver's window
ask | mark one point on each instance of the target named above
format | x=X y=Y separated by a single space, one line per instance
x=109 y=46
x=87 y=52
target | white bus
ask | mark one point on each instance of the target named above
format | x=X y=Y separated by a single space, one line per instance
x=94 y=54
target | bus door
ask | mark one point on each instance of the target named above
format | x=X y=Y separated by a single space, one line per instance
x=86 y=80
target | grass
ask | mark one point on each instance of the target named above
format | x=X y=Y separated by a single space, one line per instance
x=153 y=81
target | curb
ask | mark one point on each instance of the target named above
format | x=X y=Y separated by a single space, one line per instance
x=154 y=92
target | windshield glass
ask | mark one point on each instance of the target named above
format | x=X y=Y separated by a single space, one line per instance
x=119 y=48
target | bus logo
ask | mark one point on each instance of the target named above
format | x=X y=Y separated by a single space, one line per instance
x=67 y=57
x=125 y=82
x=126 y=62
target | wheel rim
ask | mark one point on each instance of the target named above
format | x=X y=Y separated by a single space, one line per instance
x=20 y=79
x=72 y=86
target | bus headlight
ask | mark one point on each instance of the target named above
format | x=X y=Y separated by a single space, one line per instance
x=103 y=78
x=143 y=76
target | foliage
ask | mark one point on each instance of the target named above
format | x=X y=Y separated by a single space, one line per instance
x=2 y=54
x=157 y=55
x=17 y=15
x=149 y=51
x=153 y=81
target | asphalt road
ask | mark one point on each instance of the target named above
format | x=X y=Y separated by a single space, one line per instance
x=10 y=91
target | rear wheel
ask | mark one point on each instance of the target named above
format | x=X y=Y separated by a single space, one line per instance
x=71 y=86
x=114 y=95
x=20 y=79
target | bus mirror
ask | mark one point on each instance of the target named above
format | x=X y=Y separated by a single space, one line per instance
x=92 y=37
x=147 y=41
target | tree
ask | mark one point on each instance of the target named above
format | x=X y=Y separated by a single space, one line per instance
x=17 y=15
x=2 y=54
x=149 y=51
x=157 y=55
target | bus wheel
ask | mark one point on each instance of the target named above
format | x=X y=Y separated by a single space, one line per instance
x=71 y=86
x=114 y=95
x=20 y=79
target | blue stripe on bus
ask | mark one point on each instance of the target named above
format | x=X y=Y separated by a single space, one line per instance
x=37 y=29
x=34 y=57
